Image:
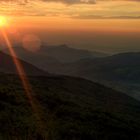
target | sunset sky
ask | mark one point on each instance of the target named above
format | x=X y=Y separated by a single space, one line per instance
x=90 y=20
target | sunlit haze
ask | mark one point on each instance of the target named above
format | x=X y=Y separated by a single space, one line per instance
x=89 y=21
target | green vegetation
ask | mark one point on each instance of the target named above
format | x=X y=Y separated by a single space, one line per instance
x=66 y=109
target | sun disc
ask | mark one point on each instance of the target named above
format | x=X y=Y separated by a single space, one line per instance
x=3 y=21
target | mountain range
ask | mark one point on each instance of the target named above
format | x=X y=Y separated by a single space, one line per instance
x=69 y=107
x=119 y=71
x=48 y=57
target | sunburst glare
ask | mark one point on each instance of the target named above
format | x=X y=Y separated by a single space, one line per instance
x=3 y=21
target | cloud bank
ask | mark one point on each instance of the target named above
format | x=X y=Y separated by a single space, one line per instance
x=73 y=1
x=80 y=9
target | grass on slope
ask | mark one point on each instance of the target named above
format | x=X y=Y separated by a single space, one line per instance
x=71 y=109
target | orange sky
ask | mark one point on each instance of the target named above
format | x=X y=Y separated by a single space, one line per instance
x=64 y=23
x=105 y=26
x=70 y=15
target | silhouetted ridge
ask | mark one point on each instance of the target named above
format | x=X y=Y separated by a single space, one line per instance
x=7 y=66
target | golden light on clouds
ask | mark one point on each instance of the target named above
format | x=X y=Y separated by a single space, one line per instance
x=75 y=13
x=73 y=8
x=72 y=15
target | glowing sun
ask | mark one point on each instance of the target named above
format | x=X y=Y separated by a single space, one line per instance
x=3 y=21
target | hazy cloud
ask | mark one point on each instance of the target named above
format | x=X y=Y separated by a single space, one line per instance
x=62 y=1
x=84 y=9
x=73 y=1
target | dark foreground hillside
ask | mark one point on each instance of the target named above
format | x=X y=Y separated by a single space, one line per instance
x=66 y=108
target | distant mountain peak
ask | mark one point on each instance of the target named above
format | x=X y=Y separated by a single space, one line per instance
x=7 y=66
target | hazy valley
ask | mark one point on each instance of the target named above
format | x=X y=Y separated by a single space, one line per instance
x=119 y=71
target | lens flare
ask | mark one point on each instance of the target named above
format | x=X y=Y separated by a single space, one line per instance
x=31 y=43
x=26 y=85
